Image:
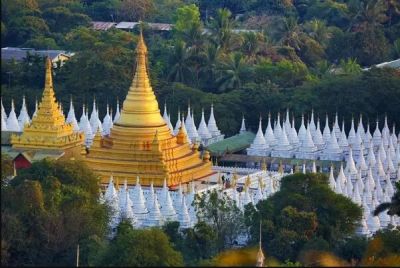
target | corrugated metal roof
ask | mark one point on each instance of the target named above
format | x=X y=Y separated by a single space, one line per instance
x=103 y=25
x=18 y=54
x=232 y=144
x=126 y=25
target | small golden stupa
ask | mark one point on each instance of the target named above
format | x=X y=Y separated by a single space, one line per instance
x=141 y=145
x=48 y=130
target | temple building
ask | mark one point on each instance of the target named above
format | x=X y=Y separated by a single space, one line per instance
x=47 y=133
x=140 y=142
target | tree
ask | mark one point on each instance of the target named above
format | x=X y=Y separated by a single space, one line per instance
x=187 y=19
x=61 y=19
x=350 y=66
x=134 y=247
x=47 y=210
x=318 y=30
x=232 y=72
x=135 y=10
x=180 y=70
x=304 y=214
x=221 y=27
x=392 y=207
x=222 y=214
x=208 y=70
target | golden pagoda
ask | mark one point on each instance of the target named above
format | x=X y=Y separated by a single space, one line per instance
x=140 y=143
x=48 y=130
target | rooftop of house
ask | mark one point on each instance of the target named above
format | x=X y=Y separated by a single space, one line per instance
x=18 y=54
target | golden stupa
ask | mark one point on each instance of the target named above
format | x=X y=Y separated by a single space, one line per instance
x=140 y=143
x=48 y=130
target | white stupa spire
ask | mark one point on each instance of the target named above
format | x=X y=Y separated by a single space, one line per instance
x=36 y=109
x=269 y=134
x=212 y=124
x=178 y=123
x=117 y=112
x=336 y=127
x=360 y=128
x=183 y=215
x=332 y=150
x=327 y=132
x=302 y=131
x=312 y=123
x=350 y=165
x=371 y=159
x=23 y=117
x=95 y=122
x=3 y=117
x=361 y=163
x=190 y=126
x=154 y=217
x=127 y=213
x=12 y=121
x=84 y=125
x=352 y=133
x=242 y=127
x=294 y=140
x=107 y=122
x=377 y=137
x=259 y=145
x=139 y=206
x=332 y=182
x=71 y=118
x=317 y=137
x=203 y=131
x=167 y=208
x=343 y=142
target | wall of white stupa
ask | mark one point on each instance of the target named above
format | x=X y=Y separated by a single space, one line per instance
x=89 y=123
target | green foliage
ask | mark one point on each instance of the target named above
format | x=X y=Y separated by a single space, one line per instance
x=132 y=247
x=47 y=210
x=305 y=214
x=223 y=215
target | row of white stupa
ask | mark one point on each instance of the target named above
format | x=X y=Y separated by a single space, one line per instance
x=309 y=142
x=153 y=207
x=205 y=133
x=148 y=206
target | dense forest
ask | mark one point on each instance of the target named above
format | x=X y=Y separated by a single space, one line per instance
x=247 y=57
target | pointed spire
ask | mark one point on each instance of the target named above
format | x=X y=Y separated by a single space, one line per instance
x=23 y=117
x=327 y=132
x=71 y=119
x=332 y=182
x=183 y=215
x=12 y=122
x=178 y=123
x=269 y=134
x=259 y=145
x=212 y=124
x=243 y=126
x=203 y=131
x=3 y=117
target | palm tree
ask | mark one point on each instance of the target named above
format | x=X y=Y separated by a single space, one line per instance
x=392 y=207
x=232 y=72
x=221 y=28
x=180 y=70
x=252 y=43
x=318 y=30
x=350 y=66
x=292 y=33
x=369 y=14
x=209 y=59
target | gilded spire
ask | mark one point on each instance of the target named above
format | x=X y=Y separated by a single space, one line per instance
x=140 y=107
x=48 y=128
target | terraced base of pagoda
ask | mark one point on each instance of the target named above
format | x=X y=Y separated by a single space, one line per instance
x=128 y=156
